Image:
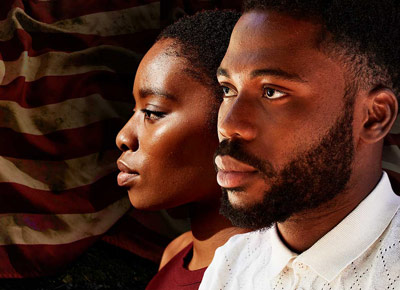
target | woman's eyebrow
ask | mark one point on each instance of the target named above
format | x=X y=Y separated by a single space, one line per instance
x=222 y=72
x=144 y=93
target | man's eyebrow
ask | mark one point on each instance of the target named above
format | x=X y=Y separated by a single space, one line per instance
x=267 y=72
x=277 y=73
x=144 y=93
x=222 y=72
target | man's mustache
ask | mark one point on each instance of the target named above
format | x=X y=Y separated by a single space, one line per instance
x=235 y=149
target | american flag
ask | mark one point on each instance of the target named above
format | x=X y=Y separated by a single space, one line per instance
x=66 y=74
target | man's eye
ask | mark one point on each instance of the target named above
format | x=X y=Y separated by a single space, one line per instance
x=228 y=92
x=152 y=115
x=271 y=94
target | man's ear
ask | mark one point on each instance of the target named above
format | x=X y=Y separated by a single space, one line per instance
x=379 y=115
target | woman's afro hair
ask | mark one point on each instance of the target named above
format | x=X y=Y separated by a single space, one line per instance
x=203 y=40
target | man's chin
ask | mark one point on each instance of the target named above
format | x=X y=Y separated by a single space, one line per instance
x=243 y=198
x=244 y=214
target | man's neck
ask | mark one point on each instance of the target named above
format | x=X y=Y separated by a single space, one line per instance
x=303 y=230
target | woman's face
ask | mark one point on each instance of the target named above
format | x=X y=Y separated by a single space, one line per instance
x=169 y=142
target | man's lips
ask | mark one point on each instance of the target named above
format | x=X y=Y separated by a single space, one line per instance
x=233 y=173
x=126 y=174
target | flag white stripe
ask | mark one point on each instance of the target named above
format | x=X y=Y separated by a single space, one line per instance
x=124 y=21
x=391 y=166
x=100 y=58
x=70 y=114
x=58 y=175
x=20 y=228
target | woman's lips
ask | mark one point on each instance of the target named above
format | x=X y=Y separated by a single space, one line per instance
x=124 y=178
x=126 y=175
x=233 y=173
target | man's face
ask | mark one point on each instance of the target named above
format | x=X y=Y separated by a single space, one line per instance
x=285 y=124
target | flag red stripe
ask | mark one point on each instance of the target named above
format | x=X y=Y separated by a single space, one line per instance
x=63 y=144
x=40 y=43
x=55 y=89
x=24 y=261
x=52 y=11
x=139 y=240
x=7 y=5
x=17 y=198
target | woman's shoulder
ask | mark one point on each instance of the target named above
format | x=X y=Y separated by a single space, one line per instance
x=175 y=247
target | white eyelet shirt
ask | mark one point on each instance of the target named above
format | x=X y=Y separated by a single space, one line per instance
x=361 y=252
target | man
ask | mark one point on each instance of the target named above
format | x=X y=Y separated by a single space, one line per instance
x=310 y=91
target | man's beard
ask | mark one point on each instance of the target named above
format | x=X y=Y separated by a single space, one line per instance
x=308 y=181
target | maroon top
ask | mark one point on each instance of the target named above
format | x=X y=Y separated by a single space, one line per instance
x=175 y=275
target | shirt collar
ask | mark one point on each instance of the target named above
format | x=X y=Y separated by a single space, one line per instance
x=347 y=241
x=354 y=234
x=280 y=254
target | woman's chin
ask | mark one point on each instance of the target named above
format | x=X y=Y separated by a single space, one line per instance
x=177 y=211
x=148 y=204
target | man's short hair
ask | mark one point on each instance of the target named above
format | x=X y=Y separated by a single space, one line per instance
x=366 y=33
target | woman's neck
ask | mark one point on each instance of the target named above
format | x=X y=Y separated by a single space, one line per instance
x=210 y=230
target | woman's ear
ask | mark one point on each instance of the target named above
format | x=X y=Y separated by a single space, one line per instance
x=379 y=115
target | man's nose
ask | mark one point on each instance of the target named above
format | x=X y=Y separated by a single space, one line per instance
x=237 y=119
x=127 y=138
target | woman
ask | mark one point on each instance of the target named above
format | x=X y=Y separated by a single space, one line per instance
x=169 y=142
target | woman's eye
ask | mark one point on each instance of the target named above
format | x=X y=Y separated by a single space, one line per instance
x=152 y=115
x=228 y=92
x=271 y=94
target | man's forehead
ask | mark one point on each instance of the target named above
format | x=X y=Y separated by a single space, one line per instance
x=268 y=27
x=272 y=37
